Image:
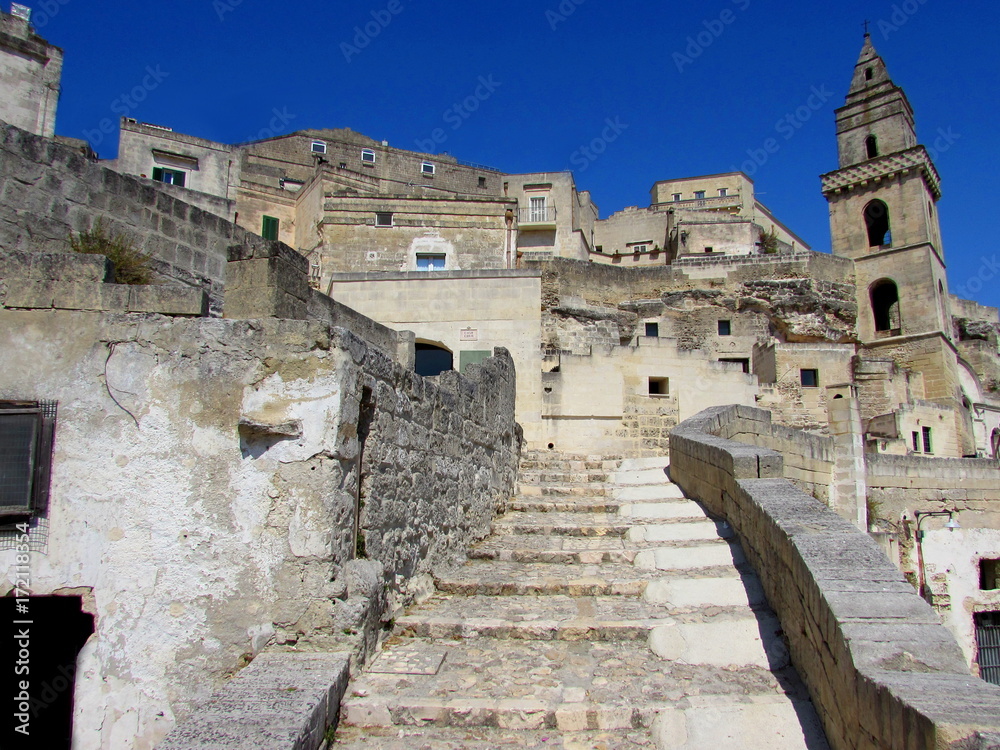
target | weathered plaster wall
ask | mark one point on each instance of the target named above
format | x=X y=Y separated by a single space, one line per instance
x=30 y=74
x=206 y=493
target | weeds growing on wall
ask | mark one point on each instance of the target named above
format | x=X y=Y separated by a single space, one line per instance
x=132 y=266
x=769 y=241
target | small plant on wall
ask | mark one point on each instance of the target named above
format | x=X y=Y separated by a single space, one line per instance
x=132 y=266
x=769 y=241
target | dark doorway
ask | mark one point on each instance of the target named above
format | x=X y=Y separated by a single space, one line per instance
x=877 y=222
x=433 y=360
x=885 y=306
x=40 y=639
x=988 y=645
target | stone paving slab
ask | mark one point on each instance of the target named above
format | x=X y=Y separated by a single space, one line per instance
x=492 y=683
x=486 y=738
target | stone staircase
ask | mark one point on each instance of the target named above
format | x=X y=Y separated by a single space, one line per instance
x=605 y=611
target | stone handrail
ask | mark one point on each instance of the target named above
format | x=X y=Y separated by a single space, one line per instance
x=882 y=670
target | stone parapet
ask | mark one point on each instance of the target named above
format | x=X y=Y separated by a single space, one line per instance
x=881 y=668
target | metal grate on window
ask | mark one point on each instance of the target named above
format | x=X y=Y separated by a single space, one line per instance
x=988 y=641
x=19 y=430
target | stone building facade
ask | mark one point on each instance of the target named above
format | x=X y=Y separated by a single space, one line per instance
x=30 y=74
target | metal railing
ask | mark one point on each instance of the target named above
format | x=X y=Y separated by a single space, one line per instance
x=537 y=215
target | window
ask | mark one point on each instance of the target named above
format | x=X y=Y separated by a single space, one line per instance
x=482 y=182
x=427 y=168
x=383 y=219
x=367 y=156
x=885 y=306
x=428 y=262
x=318 y=147
x=269 y=229
x=699 y=195
x=677 y=197
x=709 y=249
x=653 y=330
x=723 y=192
x=871 y=146
x=988 y=645
x=468 y=358
x=725 y=328
x=27 y=430
x=877 y=223
x=916 y=442
x=989 y=575
x=343 y=165
x=169 y=176
x=659 y=386
x=745 y=363
x=809 y=378
x=639 y=248
x=928 y=446
x=869 y=74
x=599 y=248
x=538 y=209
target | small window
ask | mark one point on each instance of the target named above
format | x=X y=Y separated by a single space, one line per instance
x=367 y=156
x=916 y=442
x=709 y=249
x=809 y=378
x=653 y=330
x=725 y=328
x=318 y=147
x=269 y=228
x=699 y=195
x=169 y=176
x=659 y=386
x=869 y=74
x=427 y=168
x=640 y=249
x=723 y=192
x=383 y=219
x=989 y=575
x=27 y=430
x=599 y=248
x=871 y=146
x=677 y=197
x=928 y=445
x=430 y=262
x=343 y=165
x=482 y=182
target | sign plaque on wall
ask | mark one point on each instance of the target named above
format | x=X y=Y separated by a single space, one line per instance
x=469 y=334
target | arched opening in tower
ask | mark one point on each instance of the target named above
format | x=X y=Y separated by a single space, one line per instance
x=885 y=306
x=877 y=222
x=432 y=359
x=871 y=146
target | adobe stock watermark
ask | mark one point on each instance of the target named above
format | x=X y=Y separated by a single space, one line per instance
x=560 y=14
x=277 y=125
x=458 y=113
x=987 y=272
x=365 y=35
x=587 y=154
x=901 y=15
x=786 y=127
x=22 y=633
x=223 y=7
x=45 y=11
x=945 y=139
x=714 y=28
x=125 y=104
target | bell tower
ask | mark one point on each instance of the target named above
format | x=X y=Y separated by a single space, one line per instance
x=883 y=216
x=883 y=209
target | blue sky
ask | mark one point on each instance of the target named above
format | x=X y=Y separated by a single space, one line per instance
x=692 y=88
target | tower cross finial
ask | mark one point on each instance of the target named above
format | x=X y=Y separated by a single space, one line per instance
x=867 y=30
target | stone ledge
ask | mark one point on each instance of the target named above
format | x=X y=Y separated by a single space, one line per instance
x=282 y=701
x=99 y=297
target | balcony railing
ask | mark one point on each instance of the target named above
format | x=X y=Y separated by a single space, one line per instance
x=537 y=215
x=715 y=201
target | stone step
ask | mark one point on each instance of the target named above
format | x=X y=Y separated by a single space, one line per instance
x=578 y=490
x=562 y=524
x=671 y=509
x=565 y=685
x=641 y=476
x=502 y=578
x=577 y=550
x=698 y=557
x=692 y=531
x=591 y=618
x=543 y=476
x=564 y=504
x=487 y=738
x=648 y=493
x=639 y=464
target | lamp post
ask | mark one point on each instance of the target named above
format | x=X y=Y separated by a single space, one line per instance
x=920 y=515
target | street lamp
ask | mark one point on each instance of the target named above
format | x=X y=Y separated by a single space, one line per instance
x=951 y=525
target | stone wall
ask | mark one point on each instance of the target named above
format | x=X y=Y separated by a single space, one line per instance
x=221 y=487
x=50 y=191
x=881 y=669
x=30 y=74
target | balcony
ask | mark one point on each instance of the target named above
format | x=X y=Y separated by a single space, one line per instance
x=537 y=217
x=712 y=202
